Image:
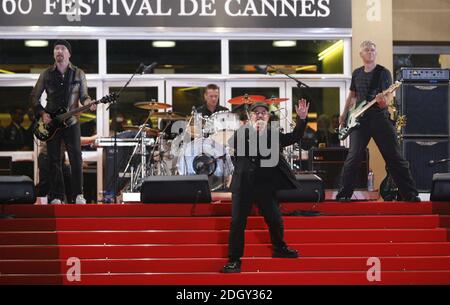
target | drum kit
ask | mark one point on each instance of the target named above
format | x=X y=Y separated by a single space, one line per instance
x=194 y=145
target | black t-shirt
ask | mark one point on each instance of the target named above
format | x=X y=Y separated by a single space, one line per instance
x=205 y=111
x=361 y=81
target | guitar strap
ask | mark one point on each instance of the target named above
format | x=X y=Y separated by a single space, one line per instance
x=374 y=83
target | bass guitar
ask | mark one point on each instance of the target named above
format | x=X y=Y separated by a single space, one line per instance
x=46 y=132
x=355 y=114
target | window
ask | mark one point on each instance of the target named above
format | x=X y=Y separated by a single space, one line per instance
x=323 y=118
x=127 y=111
x=181 y=57
x=425 y=56
x=16 y=57
x=296 y=56
x=15 y=119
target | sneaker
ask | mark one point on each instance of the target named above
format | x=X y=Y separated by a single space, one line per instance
x=285 y=252
x=56 y=201
x=80 y=199
x=414 y=199
x=232 y=267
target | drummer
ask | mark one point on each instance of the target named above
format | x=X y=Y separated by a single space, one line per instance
x=211 y=101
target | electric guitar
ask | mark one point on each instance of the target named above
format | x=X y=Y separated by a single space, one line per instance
x=354 y=115
x=46 y=132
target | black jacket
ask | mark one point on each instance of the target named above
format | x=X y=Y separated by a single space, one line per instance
x=62 y=92
x=247 y=167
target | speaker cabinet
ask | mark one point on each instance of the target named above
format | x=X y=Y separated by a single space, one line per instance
x=123 y=154
x=327 y=163
x=426 y=108
x=5 y=166
x=17 y=189
x=312 y=190
x=418 y=152
x=176 y=189
x=441 y=187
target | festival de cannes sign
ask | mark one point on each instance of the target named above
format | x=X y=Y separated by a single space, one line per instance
x=178 y=13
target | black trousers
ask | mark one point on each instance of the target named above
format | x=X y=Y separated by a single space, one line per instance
x=381 y=129
x=265 y=198
x=72 y=141
x=43 y=187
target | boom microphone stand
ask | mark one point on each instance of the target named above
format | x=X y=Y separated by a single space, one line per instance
x=144 y=69
x=304 y=91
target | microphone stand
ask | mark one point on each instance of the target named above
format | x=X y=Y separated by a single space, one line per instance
x=301 y=86
x=115 y=160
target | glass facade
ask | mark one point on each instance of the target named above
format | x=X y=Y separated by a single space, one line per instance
x=295 y=57
x=17 y=57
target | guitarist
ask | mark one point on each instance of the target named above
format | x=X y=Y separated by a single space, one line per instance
x=368 y=83
x=66 y=86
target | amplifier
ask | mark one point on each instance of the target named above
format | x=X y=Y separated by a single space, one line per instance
x=17 y=189
x=423 y=75
x=327 y=163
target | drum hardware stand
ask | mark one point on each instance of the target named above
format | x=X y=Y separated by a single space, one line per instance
x=141 y=169
x=183 y=135
x=161 y=156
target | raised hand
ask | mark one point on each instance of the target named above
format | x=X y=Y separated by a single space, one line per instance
x=302 y=109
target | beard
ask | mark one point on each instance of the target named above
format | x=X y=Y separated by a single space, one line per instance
x=59 y=58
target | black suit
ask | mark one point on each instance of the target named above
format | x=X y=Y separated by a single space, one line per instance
x=251 y=182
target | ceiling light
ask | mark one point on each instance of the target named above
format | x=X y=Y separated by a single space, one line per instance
x=284 y=43
x=163 y=44
x=36 y=43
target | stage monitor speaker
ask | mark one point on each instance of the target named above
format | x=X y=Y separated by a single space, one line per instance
x=176 y=189
x=327 y=163
x=440 y=190
x=123 y=156
x=312 y=190
x=426 y=107
x=17 y=189
x=419 y=152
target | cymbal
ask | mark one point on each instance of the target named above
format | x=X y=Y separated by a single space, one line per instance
x=276 y=100
x=171 y=116
x=247 y=99
x=152 y=105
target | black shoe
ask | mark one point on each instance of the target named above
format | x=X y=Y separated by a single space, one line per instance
x=413 y=199
x=232 y=267
x=343 y=196
x=284 y=252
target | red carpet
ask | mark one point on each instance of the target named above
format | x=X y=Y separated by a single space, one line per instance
x=183 y=244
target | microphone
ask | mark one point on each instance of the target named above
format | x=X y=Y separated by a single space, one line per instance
x=149 y=68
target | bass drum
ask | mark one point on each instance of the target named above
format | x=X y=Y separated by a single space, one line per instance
x=204 y=156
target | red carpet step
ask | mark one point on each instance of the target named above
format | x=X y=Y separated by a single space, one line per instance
x=186 y=244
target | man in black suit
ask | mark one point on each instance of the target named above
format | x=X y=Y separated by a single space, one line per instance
x=259 y=172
